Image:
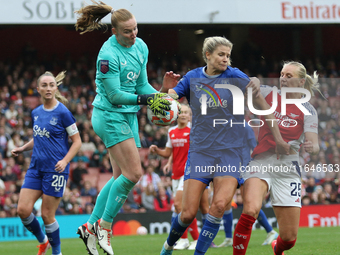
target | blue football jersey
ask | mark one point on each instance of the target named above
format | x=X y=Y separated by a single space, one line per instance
x=204 y=135
x=50 y=137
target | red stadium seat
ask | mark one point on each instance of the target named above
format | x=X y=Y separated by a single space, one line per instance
x=92 y=178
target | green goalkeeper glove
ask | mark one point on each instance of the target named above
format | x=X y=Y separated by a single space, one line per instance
x=157 y=104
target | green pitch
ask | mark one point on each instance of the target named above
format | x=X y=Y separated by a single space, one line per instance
x=311 y=241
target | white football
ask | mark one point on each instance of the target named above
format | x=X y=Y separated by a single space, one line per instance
x=142 y=231
x=169 y=118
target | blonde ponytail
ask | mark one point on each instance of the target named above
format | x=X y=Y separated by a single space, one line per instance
x=58 y=81
x=311 y=82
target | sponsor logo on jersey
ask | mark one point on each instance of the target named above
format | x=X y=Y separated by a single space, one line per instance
x=292 y=115
x=212 y=102
x=132 y=76
x=123 y=63
x=173 y=135
x=36 y=118
x=186 y=134
x=54 y=121
x=40 y=132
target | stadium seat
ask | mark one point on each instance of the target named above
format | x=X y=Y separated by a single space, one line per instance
x=93 y=170
x=103 y=178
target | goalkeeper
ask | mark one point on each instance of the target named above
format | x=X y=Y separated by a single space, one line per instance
x=122 y=86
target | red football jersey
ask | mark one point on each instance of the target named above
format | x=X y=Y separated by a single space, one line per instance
x=292 y=126
x=179 y=141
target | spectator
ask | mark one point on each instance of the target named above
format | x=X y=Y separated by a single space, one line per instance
x=310 y=188
x=162 y=201
x=98 y=155
x=8 y=175
x=88 y=208
x=13 y=143
x=3 y=140
x=81 y=157
x=150 y=182
x=11 y=112
x=87 y=145
x=77 y=173
x=105 y=166
x=88 y=190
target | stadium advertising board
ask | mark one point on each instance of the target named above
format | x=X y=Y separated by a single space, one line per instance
x=160 y=12
x=320 y=216
x=11 y=229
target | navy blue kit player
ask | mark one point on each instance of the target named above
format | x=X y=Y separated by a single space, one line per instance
x=53 y=125
x=213 y=145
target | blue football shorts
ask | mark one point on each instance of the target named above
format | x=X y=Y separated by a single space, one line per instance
x=52 y=184
x=204 y=166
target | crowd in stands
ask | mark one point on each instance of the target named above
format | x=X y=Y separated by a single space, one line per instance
x=91 y=167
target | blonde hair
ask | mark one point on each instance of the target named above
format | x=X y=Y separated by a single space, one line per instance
x=91 y=16
x=311 y=83
x=211 y=43
x=58 y=79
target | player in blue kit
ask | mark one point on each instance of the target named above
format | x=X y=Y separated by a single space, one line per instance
x=212 y=145
x=249 y=144
x=53 y=125
x=122 y=86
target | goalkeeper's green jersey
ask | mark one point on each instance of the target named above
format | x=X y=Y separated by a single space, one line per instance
x=127 y=66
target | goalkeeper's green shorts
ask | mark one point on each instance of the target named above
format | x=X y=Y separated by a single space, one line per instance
x=115 y=127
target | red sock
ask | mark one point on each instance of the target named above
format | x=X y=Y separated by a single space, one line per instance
x=185 y=234
x=283 y=245
x=193 y=229
x=242 y=234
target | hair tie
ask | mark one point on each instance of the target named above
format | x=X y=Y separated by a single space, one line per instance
x=112 y=11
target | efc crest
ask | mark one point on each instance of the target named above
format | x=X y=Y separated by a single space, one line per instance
x=104 y=66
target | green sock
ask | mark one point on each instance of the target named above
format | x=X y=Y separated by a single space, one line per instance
x=102 y=197
x=118 y=194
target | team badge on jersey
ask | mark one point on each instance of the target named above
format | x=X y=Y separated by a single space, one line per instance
x=54 y=121
x=104 y=66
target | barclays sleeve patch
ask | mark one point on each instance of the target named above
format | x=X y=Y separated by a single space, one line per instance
x=104 y=66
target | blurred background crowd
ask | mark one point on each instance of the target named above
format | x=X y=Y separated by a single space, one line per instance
x=91 y=168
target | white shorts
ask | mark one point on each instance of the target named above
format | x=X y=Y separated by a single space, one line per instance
x=283 y=177
x=177 y=185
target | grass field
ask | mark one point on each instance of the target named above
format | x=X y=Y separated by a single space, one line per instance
x=311 y=241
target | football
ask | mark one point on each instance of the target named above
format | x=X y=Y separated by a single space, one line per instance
x=142 y=231
x=169 y=118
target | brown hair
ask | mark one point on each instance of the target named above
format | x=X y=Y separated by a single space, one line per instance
x=58 y=81
x=91 y=16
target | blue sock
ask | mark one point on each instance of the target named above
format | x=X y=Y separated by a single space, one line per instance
x=174 y=214
x=228 y=223
x=52 y=232
x=177 y=230
x=204 y=217
x=32 y=224
x=262 y=219
x=207 y=235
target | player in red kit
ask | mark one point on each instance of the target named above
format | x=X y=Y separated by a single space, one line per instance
x=280 y=176
x=178 y=144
